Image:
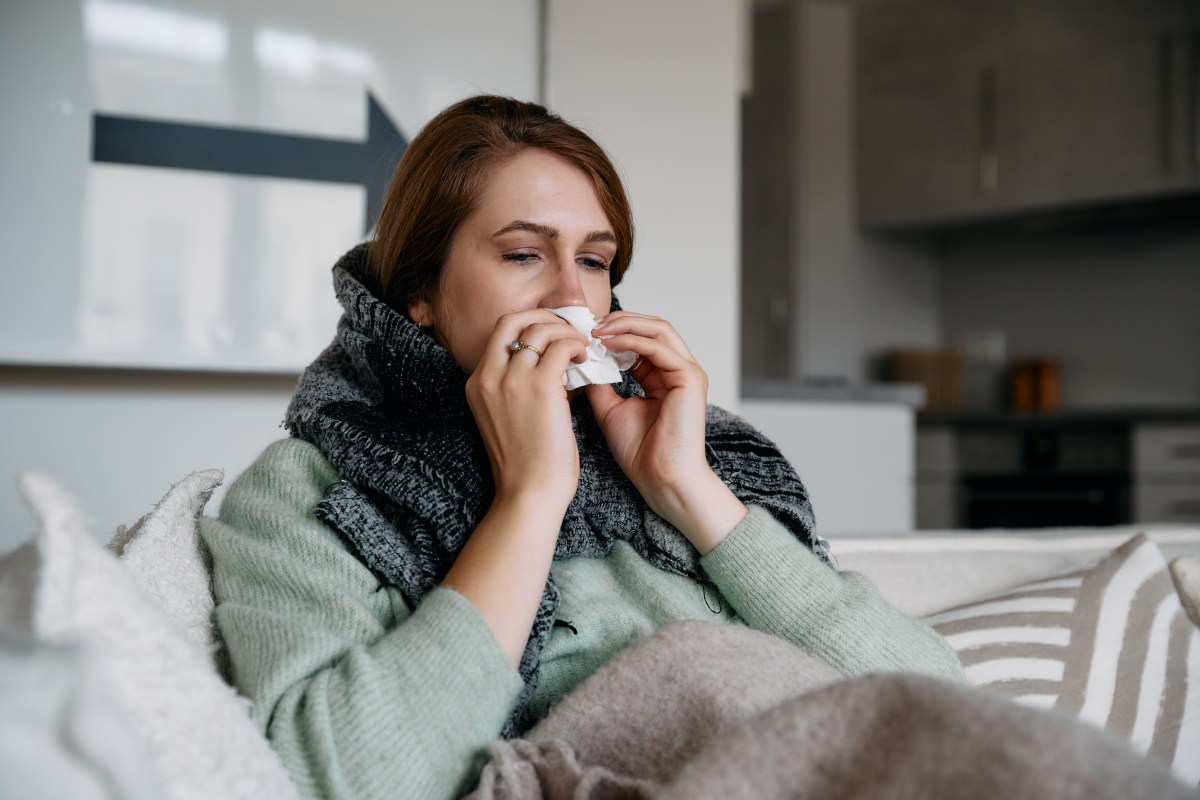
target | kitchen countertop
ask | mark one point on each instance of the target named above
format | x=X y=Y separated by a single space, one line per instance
x=1062 y=418
x=834 y=392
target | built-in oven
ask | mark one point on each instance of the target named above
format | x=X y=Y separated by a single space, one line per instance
x=1022 y=477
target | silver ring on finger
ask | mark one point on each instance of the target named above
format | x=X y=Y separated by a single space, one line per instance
x=517 y=346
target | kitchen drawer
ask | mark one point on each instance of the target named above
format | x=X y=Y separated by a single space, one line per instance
x=936 y=505
x=936 y=453
x=1009 y=452
x=1160 y=448
x=844 y=452
x=1166 y=503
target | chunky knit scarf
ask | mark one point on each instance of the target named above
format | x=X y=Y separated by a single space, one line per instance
x=387 y=406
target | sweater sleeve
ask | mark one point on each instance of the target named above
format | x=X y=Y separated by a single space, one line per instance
x=777 y=585
x=360 y=697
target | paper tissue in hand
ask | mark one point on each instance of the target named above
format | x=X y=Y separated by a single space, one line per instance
x=602 y=366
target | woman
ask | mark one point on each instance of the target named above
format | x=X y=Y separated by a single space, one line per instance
x=452 y=541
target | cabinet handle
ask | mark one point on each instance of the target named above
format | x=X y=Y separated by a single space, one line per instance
x=1187 y=509
x=1166 y=91
x=1194 y=100
x=1186 y=451
x=989 y=156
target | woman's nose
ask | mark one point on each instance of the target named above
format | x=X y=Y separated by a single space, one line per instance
x=565 y=288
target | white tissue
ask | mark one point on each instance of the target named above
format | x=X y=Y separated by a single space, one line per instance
x=601 y=366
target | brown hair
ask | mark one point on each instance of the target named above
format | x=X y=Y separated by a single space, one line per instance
x=439 y=181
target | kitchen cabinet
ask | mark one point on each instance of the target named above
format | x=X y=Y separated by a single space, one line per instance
x=1166 y=461
x=974 y=109
x=923 y=147
x=1098 y=101
x=937 y=501
x=1022 y=471
x=855 y=459
x=1149 y=467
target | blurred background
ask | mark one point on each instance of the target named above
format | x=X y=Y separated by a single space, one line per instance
x=1000 y=202
x=945 y=252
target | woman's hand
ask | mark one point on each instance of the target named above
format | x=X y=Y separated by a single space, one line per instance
x=521 y=407
x=658 y=440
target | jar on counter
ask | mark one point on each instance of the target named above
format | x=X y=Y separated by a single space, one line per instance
x=1036 y=384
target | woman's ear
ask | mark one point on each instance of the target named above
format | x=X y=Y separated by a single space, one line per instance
x=421 y=313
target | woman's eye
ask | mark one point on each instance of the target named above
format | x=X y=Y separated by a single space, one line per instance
x=520 y=258
x=593 y=263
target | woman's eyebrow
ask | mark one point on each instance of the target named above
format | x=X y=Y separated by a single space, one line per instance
x=550 y=232
x=534 y=227
x=601 y=236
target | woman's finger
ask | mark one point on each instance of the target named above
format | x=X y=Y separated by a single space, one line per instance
x=661 y=354
x=541 y=335
x=510 y=328
x=603 y=398
x=558 y=356
x=641 y=369
x=538 y=341
x=642 y=325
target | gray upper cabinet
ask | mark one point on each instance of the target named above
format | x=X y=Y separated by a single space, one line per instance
x=921 y=65
x=1098 y=107
x=974 y=109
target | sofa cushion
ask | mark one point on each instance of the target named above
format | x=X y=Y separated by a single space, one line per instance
x=195 y=728
x=1186 y=572
x=923 y=572
x=61 y=734
x=1110 y=643
x=163 y=554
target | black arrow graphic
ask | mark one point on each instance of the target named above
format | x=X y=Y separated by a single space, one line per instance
x=236 y=151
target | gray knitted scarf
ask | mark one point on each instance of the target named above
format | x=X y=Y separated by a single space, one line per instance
x=387 y=406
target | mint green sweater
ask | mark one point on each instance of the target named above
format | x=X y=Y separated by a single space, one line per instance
x=363 y=697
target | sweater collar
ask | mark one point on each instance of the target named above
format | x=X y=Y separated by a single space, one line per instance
x=413 y=376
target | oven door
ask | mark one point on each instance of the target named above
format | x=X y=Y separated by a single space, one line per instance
x=1042 y=501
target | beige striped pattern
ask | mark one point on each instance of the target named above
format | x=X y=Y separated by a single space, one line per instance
x=1111 y=644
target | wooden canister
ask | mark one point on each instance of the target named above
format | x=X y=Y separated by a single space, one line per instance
x=1036 y=384
x=1049 y=384
x=1024 y=385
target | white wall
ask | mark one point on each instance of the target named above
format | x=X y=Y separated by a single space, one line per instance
x=658 y=85
x=1120 y=308
x=655 y=82
x=119 y=439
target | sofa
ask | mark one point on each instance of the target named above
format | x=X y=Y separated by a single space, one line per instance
x=112 y=676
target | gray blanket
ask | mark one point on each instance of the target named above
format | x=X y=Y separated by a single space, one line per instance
x=702 y=710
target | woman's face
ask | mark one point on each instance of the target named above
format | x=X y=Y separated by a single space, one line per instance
x=538 y=239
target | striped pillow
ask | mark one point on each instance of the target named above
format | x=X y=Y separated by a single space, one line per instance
x=1110 y=643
